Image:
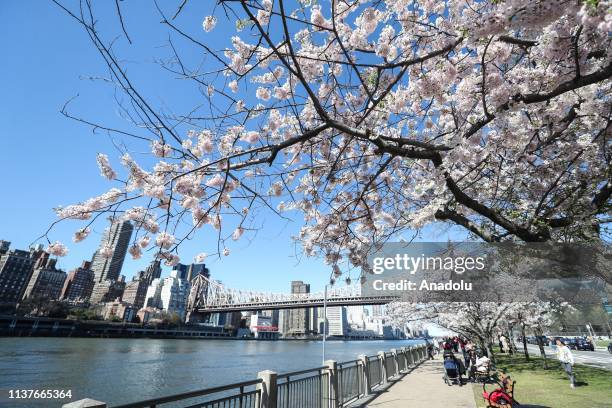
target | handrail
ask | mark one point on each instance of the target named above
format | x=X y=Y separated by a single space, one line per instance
x=348 y=362
x=190 y=394
x=294 y=373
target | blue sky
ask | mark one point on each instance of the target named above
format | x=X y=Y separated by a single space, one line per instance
x=47 y=160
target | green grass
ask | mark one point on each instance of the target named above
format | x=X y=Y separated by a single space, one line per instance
x=602 y=343
x=540 y=388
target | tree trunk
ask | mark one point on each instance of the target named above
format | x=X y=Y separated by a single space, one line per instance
x=483 y=347
x=541 y=347
x=524 y=342
x=490 y=350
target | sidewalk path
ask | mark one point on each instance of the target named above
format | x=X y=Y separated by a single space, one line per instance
x=424 y=387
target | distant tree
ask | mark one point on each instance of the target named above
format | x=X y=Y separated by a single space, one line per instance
x=58 y=310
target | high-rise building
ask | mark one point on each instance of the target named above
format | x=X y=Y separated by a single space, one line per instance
x=377 y=310
x=136 y=290
x=169 y=294
x=15 y=271
x=153 y=271
x=108 y=260
x=46 y=280
x=356 y=317
x=188 y=272
x=79 y=284
x=296 y=322
x=108 y=291
x=4 y=246
x=337 y=324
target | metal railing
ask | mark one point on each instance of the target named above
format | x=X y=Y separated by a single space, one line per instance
x=303 y=389
x=350 y=381
x=375 y=377
x=402 y=364
x=335 y=385
x=238 y=395
x=390 y=366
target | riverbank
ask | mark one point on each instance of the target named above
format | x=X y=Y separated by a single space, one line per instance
x=15 y=326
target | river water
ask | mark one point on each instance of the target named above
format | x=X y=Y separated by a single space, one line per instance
x=127 y=370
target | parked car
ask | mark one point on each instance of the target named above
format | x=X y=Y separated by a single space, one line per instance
x=572 y=343
x=584 y=344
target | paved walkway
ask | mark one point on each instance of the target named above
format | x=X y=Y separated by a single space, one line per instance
x=424 y=387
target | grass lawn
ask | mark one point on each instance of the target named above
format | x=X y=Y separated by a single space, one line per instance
x=539 y=388
x=602 y=343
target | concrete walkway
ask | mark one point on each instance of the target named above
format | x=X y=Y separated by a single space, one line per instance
x=425 y=388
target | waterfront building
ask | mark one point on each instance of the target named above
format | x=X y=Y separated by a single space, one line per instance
x=169 y=294
x=356 y=317
x=189 y=272
x=296 y=322
x=337 y=324
x=262 y=328
x=136 y=290
x=46 y=280
x=119 y=310
x=79 y=284
x=15 y=271
x=149 y=315
x=153 y=294
x=107 y=291
x=153 y=271
x=377 y=311
x=273 y=315
x=108 y=260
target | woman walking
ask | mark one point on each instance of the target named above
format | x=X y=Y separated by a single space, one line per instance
x=566 y=358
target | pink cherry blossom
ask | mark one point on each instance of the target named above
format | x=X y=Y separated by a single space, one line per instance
x=81 y=234
x=57 y=249
x=209 y=23
x=136 y=251
x=200 y=258
x=105 y=168
x=164 y=240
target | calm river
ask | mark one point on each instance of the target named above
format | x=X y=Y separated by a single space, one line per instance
x=127 y=370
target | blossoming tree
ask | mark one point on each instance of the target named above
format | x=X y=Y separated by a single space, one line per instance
x=370 y=118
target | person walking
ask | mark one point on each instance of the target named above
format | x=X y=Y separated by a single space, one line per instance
x=564 y=354
x=504 y=344
x=430 y=350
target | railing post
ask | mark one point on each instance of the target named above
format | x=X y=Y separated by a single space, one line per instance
x=85 y=403
x=332 y=371
x=395 y=361
x=413 y=355
x=367 y=387
x=382 y=360
x=267 y=389
x=405 y=357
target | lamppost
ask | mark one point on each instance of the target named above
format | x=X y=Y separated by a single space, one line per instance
x=324 y=320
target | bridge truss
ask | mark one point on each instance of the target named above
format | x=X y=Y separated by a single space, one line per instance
x=210 y=296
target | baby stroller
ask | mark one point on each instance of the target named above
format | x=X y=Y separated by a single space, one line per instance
x=452 y=370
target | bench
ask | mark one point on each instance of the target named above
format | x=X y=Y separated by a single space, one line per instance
x=508 y=385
